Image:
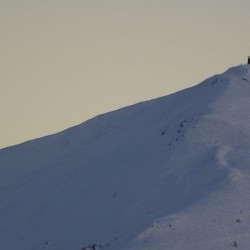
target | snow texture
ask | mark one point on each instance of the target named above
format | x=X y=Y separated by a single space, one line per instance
x=170 y=173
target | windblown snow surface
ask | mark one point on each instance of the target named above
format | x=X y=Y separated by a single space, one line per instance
x=171 y=173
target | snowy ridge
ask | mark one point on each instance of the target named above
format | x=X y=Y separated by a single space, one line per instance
x=170 y=173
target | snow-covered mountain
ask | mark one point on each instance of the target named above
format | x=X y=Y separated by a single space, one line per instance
x=170 y=173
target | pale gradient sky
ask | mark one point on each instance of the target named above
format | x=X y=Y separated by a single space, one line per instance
x=64 y=61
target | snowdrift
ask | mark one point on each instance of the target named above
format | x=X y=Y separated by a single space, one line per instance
x=170 y=173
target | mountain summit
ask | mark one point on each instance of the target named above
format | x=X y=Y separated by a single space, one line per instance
x=170 y=173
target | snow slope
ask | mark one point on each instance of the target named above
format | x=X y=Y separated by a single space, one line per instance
x=170 y=173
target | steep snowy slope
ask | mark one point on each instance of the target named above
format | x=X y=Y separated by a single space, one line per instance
x=171 y=173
